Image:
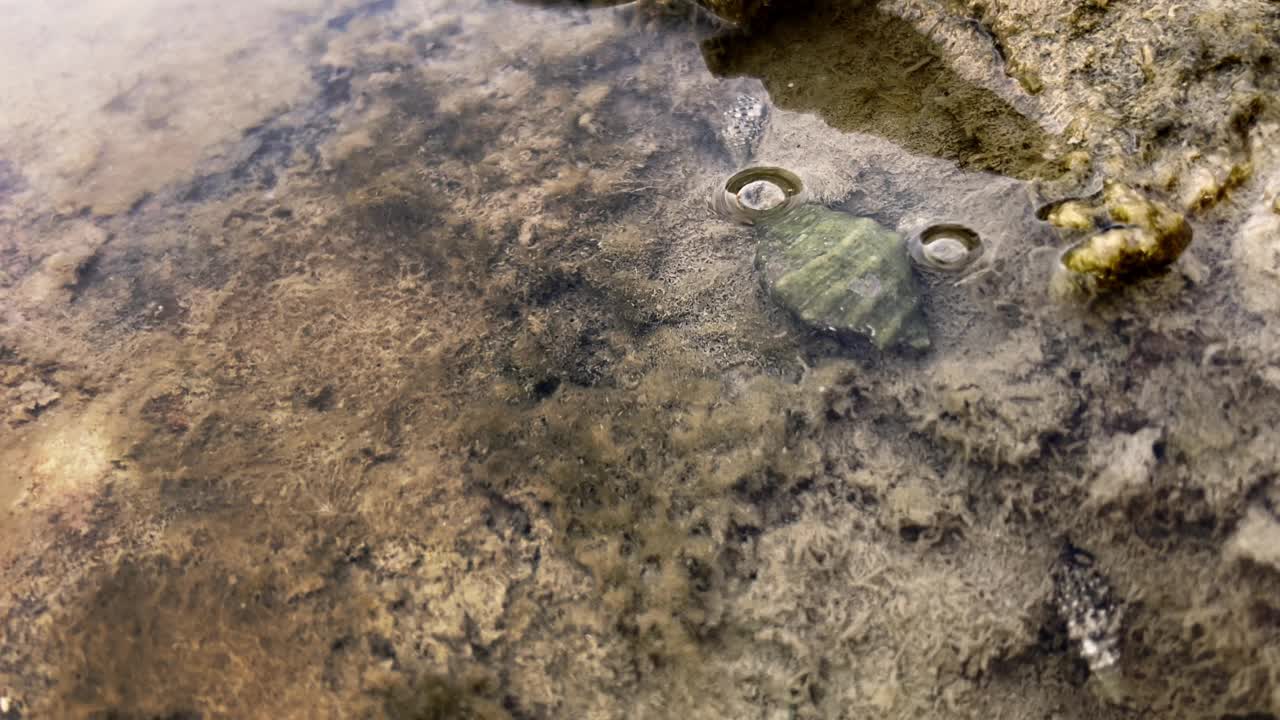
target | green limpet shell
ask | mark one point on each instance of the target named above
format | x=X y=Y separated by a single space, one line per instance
x=843 y=274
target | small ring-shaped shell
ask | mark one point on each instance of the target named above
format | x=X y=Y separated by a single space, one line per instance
x=945 y=247
x=727 y=203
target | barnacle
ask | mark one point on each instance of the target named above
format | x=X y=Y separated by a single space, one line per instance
x=745 y=123
x=1086 y=602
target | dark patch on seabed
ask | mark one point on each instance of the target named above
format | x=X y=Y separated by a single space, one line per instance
x=269 y=147
x=268 y=152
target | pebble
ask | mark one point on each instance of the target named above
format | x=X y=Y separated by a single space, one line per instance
x=745 y=123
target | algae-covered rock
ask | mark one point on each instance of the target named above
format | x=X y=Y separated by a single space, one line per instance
x=1133 y=236
x=844 y=274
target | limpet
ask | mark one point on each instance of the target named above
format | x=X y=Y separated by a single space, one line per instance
x=758 y=193
x=945 y=247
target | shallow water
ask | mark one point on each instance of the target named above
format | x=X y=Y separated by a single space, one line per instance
x=390 y=359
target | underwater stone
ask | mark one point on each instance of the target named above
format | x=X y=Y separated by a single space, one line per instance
x=1133 y=236
x=844 y=274
x=946 y=251
x=1257 y=538
x=761 y=196
x=745 y=123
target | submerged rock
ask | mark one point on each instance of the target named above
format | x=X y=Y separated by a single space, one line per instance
x=745 y=123
x=843 y=274
x=1132 y=236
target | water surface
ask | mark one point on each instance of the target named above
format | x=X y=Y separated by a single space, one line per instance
x=388 y=359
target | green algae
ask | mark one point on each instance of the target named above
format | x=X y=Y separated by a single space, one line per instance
x=646 y=485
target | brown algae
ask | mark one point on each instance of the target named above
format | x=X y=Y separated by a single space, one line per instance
x=1133 y=236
